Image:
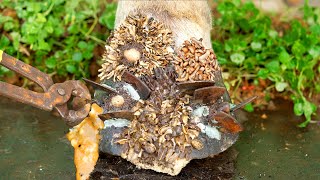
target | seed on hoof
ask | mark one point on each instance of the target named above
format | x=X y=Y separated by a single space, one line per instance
x=117 y=101
x=149 y=148
x=196 y=143
x=121 y=141
x=139 y=45
x=132 y=55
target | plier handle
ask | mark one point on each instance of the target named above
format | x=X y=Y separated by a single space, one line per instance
x=55 y=96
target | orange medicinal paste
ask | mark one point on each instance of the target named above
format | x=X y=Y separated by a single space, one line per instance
x=85 y=140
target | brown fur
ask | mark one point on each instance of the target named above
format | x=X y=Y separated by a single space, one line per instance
x=190 y=18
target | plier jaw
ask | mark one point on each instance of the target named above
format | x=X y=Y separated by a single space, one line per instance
x=55 y=96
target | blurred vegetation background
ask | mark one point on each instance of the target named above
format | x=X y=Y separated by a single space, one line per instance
x=267 y=54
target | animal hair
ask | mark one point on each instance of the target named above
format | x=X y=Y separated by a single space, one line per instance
x=186 y=18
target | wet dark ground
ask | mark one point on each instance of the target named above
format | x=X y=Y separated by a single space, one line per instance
x=218 y=167
x=275 y=148
x=33 y=146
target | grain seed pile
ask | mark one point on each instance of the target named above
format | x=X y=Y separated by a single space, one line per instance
x=139 y=45
x=195 y=63
x=161 y=136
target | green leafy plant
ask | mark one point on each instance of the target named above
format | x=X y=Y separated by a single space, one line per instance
x=55 y=36
x=252 y=45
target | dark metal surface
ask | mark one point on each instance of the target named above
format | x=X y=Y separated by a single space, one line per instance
x=55 y=95
x=193 y=85
x=238 y=106
x=228 y=122
x=225 y=107
x=208 y=94
x=99 y=86
x=142 y=88
x=117 y=114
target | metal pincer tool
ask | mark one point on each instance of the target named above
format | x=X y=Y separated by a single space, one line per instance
x=55 y=96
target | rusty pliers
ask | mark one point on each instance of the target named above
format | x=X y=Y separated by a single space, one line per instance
x=55 y=96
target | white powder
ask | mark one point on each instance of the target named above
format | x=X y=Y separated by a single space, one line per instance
x=210 y=131
x=116 y=122
x=133 y=93
x=201 y=111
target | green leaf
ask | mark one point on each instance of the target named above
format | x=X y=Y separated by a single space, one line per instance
x=249 y=107
x=108 y=17
x=77 y=57
x=51 y=63
x=315 y=51
x=308 y=108
x=317 y=88
x=284 y=57
x=49 y=29
x=237 y=58
x=227 y=47
x=82 y=45
x=309 y=74
x=273 y=66
x=286 y=60
x=315 y=29
x=28 y=28
x=34 y=7
x=273 y=33
x=280 y=86
x=16 y=40
x=73 y=29
x=71 y=68
x=227 y=85
x=256 y=46
x=305 y=123
x=263 y=73
x=41 y=18
x=44 y=45
x=226 y=8
x=298 y=108
x=87 y=54
x=4 y=69
x=4 y=42
x=8 y=26
x=298 y=49
x=222 y=60
x=108 y=20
